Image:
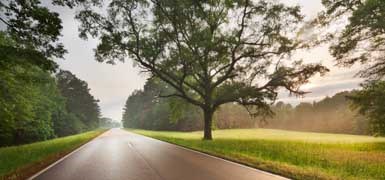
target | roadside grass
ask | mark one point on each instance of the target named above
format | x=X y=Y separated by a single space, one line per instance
x=297 y=155
x=20 y=162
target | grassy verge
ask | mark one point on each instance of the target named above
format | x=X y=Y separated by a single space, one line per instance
x=296 y=155
x=20 y=162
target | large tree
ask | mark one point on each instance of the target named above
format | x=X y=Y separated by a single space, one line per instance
x=211 y=52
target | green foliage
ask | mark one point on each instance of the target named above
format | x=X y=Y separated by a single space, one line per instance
x=296 y=155
x=28 y=99
x=36 y=28
x=28 y=96
x=363 y=38
x=370 y=102
x=82 y=107
x=210 y=52
x=66 y=123
x=32 y=26
x=31 y=106
x=144 y=109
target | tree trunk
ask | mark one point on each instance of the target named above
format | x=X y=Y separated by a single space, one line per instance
x=208 y=117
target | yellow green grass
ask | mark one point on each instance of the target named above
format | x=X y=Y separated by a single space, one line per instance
x=19 y=162
x=297 y=155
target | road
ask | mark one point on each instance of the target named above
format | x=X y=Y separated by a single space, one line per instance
x=118 y=154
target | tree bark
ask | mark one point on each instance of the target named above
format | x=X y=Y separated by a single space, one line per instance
x=208 y=117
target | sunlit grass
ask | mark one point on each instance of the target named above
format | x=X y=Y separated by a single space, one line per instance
x=298 y=155
x=19 y=159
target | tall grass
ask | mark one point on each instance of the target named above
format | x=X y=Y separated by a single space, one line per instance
x=19 y=162
x=297 y=155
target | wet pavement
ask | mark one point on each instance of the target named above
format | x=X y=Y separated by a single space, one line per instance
x=118 y=154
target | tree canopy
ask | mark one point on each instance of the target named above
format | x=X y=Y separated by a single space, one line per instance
x=362 y=40
x=211 y=52
x=35 y=30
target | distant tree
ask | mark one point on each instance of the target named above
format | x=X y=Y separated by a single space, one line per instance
x=108 y=123
x=131 y=110
x=363 y=38
x=330 y=114
x=283 y=114
x=370 y=101
x=211 y=52
x=303 y=112
x=79 y=101
x=232 y=115
x=146 y=110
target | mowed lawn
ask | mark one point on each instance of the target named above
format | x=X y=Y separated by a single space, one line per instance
x=297 y=155
x=19 y=162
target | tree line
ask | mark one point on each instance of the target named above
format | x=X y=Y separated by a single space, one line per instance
x=144 y=109
x=109 y=123
x=330 y=115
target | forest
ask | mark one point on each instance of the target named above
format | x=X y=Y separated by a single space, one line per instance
x=38 y=101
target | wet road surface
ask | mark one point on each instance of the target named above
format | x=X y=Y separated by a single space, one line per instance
x=118 y=154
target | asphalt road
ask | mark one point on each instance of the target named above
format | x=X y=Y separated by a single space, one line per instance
x=118 y=154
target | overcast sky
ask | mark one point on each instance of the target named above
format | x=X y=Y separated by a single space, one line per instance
x=112 y=84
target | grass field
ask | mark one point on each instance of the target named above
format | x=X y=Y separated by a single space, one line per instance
x=19 y=162
x=297 y=155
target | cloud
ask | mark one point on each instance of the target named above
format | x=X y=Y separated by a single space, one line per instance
x=318 y=92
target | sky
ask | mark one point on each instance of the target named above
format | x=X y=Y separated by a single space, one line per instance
x=112 y=84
